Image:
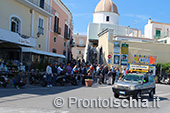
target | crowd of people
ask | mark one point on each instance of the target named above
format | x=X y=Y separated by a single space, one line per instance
x=99 y=73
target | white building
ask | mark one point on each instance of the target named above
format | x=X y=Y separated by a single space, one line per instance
x=106 y=16
x=158 y=30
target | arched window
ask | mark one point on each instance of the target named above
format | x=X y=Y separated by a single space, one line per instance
x=16 y=25
x=54 y=50
x=55 y=40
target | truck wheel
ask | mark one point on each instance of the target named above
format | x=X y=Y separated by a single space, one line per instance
x=116 y=95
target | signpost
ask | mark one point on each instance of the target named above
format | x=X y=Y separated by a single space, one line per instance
x=109 y=56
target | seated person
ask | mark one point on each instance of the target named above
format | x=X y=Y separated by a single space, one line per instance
x=18 y=80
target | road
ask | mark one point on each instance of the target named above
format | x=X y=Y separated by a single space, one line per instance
x=40 y=100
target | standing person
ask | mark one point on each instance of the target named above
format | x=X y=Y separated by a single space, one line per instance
x=124 y=73
x=97 y=68
x=110 y=75
x=69 y=69
x=60 y=69
x=117 y=74
x=114 y=75
x=99 y=76
x=49 y=74
x=18 y=80
x=84 y=74
x=90 y=72
x=55 y=71
x=104 y=73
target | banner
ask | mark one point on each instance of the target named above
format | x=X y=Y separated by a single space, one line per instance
x=117 y=47
x=116 y=59
x=124 y=59
x=143 y=59
x=125 y=48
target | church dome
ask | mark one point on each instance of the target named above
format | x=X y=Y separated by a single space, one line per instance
x=106 y=6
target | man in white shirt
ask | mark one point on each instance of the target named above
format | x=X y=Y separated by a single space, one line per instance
x=60 y=69
x=49 y=73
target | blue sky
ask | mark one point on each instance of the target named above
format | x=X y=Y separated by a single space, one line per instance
x=129 y=10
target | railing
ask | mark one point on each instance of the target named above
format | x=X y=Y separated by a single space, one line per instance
x=46 y=7
x=40 y=30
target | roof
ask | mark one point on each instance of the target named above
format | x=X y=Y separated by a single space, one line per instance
x=31 y=50
x=106 y=6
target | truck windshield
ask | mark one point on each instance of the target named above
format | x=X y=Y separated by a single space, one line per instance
x=133 y=78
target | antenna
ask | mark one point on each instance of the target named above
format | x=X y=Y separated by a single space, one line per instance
x=135 y=23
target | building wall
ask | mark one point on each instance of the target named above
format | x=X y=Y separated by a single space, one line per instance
x=104 y=44
x=64 y=18
x=101 y=18
x=12 y=7
x=43 y=38
x=162 y=51
x=75 y=49
x=150 y=29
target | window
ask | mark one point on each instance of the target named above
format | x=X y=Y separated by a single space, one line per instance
x=40 y=26
x=39 y=45
x=56 y=24
x=151 y=79
x=15 y=25
x=42 y=4
x=81 y=42
x=64 y=52
x=66 y=32
x=55 y=40
x=107 y=18
x=145 y=79
x=79 y=52
x=158 y=33
x=64 y=44
x=54 y=50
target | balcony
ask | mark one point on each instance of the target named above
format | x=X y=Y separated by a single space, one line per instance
x=40 y=30
x=81 y=45
x=44 y=8
x=58 y=31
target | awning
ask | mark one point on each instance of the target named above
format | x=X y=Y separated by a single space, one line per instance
x=31 y=50
x=12 y=37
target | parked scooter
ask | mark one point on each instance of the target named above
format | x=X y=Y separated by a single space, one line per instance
x=71 y=78
x=60 y=79
x=36 y=78
x=3 y=80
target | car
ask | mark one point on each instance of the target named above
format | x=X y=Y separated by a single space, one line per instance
x=134 y=85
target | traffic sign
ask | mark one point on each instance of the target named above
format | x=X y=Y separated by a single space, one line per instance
x=109 y=56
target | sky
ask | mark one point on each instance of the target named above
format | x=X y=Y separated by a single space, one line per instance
x=129 y=10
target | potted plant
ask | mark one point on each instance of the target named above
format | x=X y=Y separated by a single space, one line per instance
x=88 y=82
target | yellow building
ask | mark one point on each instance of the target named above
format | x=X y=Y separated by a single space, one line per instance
x=24 y=28
x=138 y=50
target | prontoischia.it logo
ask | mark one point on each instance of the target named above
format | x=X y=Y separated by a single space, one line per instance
x=106 y=103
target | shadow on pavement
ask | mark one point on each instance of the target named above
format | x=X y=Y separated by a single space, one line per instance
x=36 y=90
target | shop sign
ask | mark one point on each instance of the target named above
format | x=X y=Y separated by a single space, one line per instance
x=143 y=59
x=116 y=59
x=124 y=59
x=24 y=41
x=135 y=67
x=117 y=47
x=125 y=48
